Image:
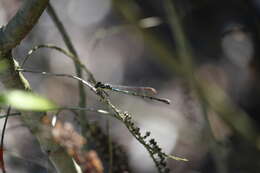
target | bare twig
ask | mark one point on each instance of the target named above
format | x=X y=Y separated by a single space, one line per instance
x=101 y=111
x=35 y=48
x=82 y=81
x=59 y=49
x=89 y=85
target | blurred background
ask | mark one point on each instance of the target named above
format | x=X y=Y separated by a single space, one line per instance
x=124 y=43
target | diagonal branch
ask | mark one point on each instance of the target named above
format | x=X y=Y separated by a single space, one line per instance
x=21 y=24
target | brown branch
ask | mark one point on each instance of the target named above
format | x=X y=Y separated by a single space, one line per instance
x=21 y=24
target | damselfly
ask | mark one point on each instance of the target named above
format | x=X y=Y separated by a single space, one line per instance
x=144 y=92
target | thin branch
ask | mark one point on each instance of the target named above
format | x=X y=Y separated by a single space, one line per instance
x=77 y=63
x=52 y=13
x=35 y=48
x=11 y=114
x=2 y=140
x=59 y=49
x=82 y=81
x=21 y=24
x=4 y=127
x=89 y=85
x=155 y=152
x=68 y=42
x=84 y=109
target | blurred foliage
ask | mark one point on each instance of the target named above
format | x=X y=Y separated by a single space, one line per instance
x=23 y=100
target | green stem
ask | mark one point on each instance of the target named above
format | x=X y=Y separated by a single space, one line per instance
x=82 y=95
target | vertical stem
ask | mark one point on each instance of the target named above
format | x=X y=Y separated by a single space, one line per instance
x=2 y=164
x=110 y=147
x=82 y=95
